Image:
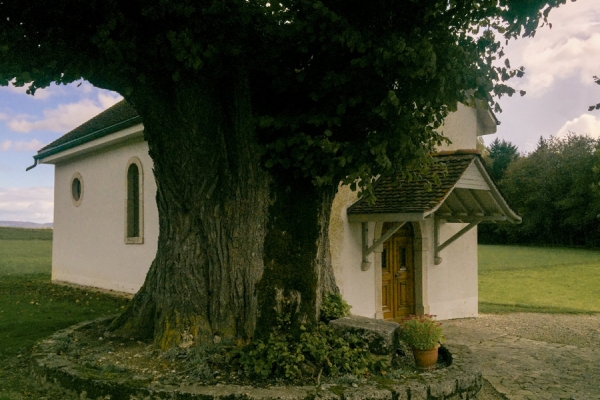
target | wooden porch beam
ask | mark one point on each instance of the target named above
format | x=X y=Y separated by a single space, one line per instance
x=436 y=237
x=367 y=250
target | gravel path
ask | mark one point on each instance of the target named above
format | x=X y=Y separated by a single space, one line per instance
x=534 y=356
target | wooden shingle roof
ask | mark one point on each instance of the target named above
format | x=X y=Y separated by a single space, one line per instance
x=402 y=196
x=465 y=193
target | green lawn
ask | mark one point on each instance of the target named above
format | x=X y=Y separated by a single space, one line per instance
x=31 y=308
x=25 y=251
x=538 y=279
x=511 y=278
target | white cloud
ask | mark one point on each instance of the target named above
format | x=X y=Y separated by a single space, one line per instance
x=108 y=99
x=34 y=204
x=572 y=57
x=87 y=88
x=570 y=48
x=585 y=124
x=62 y=119
x=32 y=145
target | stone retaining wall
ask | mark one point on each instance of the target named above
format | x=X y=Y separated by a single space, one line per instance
x=461 y=380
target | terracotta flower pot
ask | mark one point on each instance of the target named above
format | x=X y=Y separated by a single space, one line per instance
x=426 y=359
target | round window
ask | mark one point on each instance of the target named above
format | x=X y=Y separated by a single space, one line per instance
x=76 y=189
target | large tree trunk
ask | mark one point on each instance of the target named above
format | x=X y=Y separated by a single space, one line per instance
x=297 y=260
x=222 y=219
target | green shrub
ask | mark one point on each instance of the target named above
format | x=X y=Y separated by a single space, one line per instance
x=318 y=352
x=315 y=353
x=333 y=307
x=421 y=332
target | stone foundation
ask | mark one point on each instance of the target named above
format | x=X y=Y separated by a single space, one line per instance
x=460 y=380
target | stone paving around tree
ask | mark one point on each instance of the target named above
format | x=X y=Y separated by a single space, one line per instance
x=524 y=369
x=72 y=358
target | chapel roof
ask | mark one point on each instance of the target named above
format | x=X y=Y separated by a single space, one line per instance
x=120 y=116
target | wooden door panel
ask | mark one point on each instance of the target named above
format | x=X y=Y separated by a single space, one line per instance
x=404 y=281
x=386 y=302
x=397 y=277
x=402 y=293
x=387 y=292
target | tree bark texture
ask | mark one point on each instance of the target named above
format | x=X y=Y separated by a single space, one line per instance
x=232 y=237
x=297 y=258
x=212 y=198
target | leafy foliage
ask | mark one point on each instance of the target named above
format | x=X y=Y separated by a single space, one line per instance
x=421 y=332
x=555 y=189
x=499 y=156
x=341 y=90
x=303 y=94
x=480 y=147
x=333 y=307
x=314 y=353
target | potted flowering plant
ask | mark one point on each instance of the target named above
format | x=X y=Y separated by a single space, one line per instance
x=424 y=335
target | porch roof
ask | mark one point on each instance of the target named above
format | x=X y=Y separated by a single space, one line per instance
x=466 y=194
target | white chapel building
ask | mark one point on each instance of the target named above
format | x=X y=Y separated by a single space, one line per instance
x=412 y=252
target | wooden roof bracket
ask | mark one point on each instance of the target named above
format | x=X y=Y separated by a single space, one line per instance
x=367 y=250
x=436 y=237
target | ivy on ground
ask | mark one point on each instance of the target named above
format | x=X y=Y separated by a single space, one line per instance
x=333 y=307
x=317 y=352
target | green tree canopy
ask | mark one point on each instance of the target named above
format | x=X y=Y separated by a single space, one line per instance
x=500 y=154
x=253 y=112
x=328 y=80
x=555 y=190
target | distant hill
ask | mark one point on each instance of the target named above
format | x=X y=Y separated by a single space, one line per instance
x=21 y=224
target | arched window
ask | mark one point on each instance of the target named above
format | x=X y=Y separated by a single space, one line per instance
x=134 y=223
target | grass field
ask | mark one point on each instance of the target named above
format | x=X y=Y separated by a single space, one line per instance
x=538 y=279
x=511 y=278
x=31 y=308
x=25 y=251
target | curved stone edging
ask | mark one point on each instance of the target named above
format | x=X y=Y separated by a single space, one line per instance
x=461 y=380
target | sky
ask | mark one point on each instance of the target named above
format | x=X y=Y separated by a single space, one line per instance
x=560 y=64
x=28 y=123
x=559 y=67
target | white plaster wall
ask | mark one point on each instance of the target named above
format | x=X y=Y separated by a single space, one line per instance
x=88 y=244
x=357 y=286
x=448 y=290
x=452 y=285
x=452 y=290
x=461 y=127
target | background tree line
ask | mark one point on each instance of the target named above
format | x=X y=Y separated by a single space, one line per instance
x=555 y=189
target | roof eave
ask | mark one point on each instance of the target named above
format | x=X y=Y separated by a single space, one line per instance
x=505 y=213
x=511 y=215
x=44 y=153
x=388 y=217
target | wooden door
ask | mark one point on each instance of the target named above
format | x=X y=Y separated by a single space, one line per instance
x=397 y=276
